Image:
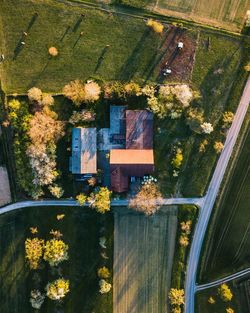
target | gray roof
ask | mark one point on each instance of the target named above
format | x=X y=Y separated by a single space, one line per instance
x=83 y=151
x=117 y=119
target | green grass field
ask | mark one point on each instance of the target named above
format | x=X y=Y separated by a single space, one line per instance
x=132 y=45
x=229 y=240
x=81 y=230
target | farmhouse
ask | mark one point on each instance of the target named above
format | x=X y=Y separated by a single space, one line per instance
x=137 y=159
x=83 y=159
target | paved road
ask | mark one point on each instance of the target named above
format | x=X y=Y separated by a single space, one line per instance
x=224 y=279
x=210 y=198
x=114 y=203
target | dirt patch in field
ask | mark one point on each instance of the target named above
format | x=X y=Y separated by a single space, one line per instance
x=5 y=196
x=179 y=60
x=143 y=255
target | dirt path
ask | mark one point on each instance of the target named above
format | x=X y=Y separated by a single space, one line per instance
x=143 y=254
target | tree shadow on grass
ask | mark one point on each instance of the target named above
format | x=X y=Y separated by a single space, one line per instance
x=101 y=58
x=32 y=21
x=129 y=67
x=65 y=33
x=35 y=80
x=78 y=23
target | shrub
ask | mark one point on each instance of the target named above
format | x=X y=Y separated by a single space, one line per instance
x=247 y=67
x=34 y=251
x=81 y=199
x=194 y=119
x=82 y=116
x=132 y=89
x=207 y=128
x=225 y=293
x=157 y=27
x=56 y=191
x=218 y=146
x=183 y=241
x=47 y=99
x=36 y=299
x=227 y=118
x=105 y=287
x=211 y=300
x=57 y=289
x=114 y=90
x=178 y=159
x=35 y=94
x=75 y=91
x=103 y=272
x=53 y=51
x=92 y=92
x=203 y=144
x=229 y=310
x=14 y=105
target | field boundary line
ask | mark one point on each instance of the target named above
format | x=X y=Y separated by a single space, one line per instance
x=223 y=280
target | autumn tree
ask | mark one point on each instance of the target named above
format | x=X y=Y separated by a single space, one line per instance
x=218 y=146
x=58 y=289
x=103 y=272
x=35 y=94
x=157 y=27
x=53 y=51
x=176 y=297
x=92 y=92
x=81 y=199
x=178 y=159
x=75 y=91
x=227 y=118
x=225 y=293
x=44 y=129
x=55 y=251
x=148 y=200
x=229 y=310
x=34 y=251
x=100 y=200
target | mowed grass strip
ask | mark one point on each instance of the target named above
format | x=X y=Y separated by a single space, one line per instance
x=143 y=256
x=131 y=45
x=229 y=243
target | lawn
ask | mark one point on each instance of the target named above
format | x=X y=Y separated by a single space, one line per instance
x=81 y=230
x=202 y=305
x=213 y=74
x=132 y=45
x=229 y=241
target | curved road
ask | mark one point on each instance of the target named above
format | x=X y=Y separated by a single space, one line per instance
x=209 y=200
x=224 y=279
x=114 y=203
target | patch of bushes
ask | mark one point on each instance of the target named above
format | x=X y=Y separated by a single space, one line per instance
x=187 y=214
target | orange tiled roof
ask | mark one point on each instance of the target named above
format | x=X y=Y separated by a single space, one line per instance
x=131 y=156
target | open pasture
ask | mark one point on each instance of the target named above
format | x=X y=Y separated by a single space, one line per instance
x=90 y=42
x=143 y=256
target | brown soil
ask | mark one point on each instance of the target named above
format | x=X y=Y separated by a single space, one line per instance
x=180 y=61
